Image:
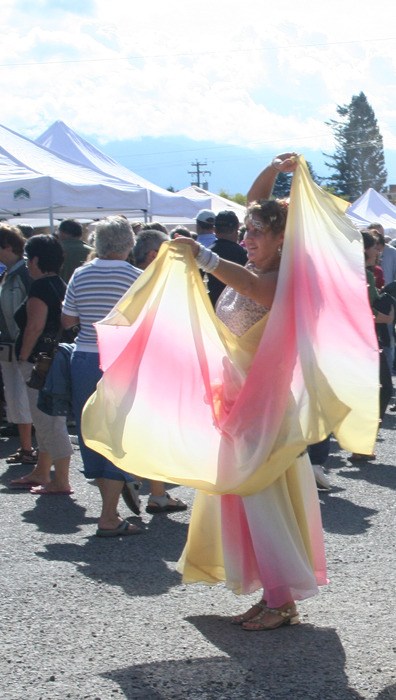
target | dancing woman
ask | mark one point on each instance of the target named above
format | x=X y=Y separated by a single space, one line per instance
x=239 y=412
x=263 y=547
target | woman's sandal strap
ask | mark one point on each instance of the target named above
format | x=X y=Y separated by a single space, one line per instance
x=289 y=616
x=249 y=614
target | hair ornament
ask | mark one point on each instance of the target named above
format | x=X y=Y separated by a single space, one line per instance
x=255 y=222
x=284 y=203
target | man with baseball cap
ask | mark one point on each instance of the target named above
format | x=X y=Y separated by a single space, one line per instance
x=205 y=225
x=227 y=247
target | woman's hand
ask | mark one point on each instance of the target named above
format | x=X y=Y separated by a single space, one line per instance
x=285 y=162
x=183 y=241
x=263 y=184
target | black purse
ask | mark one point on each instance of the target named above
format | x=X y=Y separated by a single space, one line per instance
x=43 y=359
x=40 y=370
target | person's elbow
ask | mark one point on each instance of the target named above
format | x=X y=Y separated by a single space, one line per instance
x=379 y=317
x=69 y=321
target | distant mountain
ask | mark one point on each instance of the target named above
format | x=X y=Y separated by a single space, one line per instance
x=167 y=161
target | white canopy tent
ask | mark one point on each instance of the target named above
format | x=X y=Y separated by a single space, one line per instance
x=204 y=200
x=34 y=182
x=217 y=203
x=372 y=207
x=62 y=140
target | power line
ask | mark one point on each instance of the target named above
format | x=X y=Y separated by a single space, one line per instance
x=195 y=54
x=254 y=145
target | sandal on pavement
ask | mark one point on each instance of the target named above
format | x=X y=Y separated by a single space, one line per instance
x=162 y=504
x=130 y=495
x=322 y=481
x=249 y=614
x=124 y=529
x=356 y=457
x=23 y=457
x=289 y=616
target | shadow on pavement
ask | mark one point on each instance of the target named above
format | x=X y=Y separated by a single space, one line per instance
x=388 y=693
x=116 y=561
x=374 y=472
x=301 y=662
x=58 y=515
x=341 y=516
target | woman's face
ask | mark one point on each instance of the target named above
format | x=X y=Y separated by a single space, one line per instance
x=8 y=257
x=33 y=268
x=261 y=244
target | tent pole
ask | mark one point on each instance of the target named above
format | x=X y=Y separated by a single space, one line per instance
x=51 y=221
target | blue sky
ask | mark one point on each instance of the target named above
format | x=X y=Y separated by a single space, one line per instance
x=220 y=81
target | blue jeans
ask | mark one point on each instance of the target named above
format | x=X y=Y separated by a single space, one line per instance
x=85 y=374
x=319 y=452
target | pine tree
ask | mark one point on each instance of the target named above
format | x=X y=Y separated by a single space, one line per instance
x=282 y=186
x=283 y=183
x=358 y=161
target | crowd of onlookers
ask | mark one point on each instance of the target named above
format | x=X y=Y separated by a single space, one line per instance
x=67 y=281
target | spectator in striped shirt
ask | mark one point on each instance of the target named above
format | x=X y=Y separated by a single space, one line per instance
x=92 y=292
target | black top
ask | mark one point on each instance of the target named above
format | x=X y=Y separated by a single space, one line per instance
x=228 y=250
x=51 y=290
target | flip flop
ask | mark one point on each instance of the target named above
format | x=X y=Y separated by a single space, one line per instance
x=130 y=495
x=123 y=530
x=22 y=484
x=43 y=491
x=357 y=457
x=161 y=504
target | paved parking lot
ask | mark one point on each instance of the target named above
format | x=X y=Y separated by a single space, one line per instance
x=86 y=618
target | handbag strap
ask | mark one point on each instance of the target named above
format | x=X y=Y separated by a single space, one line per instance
x=57 y=338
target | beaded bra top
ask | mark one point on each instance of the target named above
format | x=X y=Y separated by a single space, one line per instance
x=239 y=313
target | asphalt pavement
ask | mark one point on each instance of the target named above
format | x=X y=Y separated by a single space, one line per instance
x=98 y=619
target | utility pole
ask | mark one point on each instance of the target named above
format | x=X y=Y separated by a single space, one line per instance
x=198 y=172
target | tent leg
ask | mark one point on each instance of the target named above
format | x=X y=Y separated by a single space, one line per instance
x=51 y=221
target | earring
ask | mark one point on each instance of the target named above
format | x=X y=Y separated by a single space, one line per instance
x=280 y=251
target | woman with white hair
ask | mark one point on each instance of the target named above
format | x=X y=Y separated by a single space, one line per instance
x=92 y=292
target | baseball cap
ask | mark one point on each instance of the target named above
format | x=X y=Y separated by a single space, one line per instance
x=207 y=216
x=226 y=218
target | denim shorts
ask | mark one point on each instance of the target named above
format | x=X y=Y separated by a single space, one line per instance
x=85 y=374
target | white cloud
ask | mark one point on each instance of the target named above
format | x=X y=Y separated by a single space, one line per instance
x=221 y=71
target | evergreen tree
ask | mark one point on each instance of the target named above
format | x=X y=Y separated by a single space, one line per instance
x=283 y=183
x=314 y=176
x=282 y=186
x=358 y=161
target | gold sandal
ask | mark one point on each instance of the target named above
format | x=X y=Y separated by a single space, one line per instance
x=250 y=614
x=289 y=616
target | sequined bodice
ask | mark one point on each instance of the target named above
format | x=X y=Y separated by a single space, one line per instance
x=239 y=313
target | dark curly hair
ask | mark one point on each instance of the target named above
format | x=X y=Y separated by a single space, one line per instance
x=368 y=238
x=48 y=251
x=272 y=212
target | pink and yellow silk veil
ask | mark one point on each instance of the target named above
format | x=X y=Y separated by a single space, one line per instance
x=185 y=401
